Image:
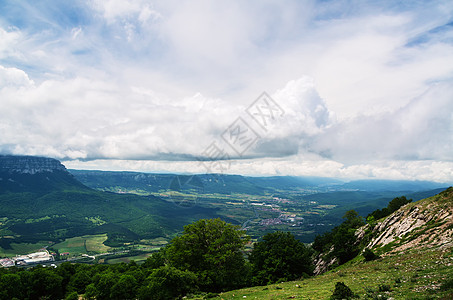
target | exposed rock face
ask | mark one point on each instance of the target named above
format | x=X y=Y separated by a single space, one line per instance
x=426 y=223
x=323 y=264
x=29 y=164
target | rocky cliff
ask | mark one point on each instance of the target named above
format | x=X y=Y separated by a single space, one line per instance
x=29 y=164
x=426 y=223
x=34 y=174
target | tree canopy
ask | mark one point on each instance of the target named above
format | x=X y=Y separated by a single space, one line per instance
x=213 y=250
x=280 y=257
x=393 y=206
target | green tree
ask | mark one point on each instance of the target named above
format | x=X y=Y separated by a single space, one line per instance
x=393 y=206
x=213 y=250
x=280 y=257
x=345 y=246
x=90 y=292
x=103 y=284
x=10 y=286
x=125 y=288
x=156 y=260
x=66 y=270
x=341 y=242
x=45 y=283
x=167 y=283
x=352 y=219
x=79 y=281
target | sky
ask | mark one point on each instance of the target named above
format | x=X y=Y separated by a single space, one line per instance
x=347 y=89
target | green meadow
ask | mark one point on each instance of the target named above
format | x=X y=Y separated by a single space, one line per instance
x=87 y=244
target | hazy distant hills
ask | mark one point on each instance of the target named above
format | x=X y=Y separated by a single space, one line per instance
x=226 y=184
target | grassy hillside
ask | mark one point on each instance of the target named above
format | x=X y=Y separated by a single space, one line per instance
x=415 y=274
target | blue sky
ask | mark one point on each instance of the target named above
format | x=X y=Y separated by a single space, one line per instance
x=364 y=87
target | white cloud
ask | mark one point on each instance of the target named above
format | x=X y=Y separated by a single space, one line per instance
x=13 y=78
x=114 y=10
x=133 y=80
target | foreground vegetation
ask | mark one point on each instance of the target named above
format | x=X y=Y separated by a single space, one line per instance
x=208 y=261
x=421 y=274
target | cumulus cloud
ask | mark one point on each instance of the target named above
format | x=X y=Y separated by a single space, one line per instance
x=365 y=92
x=420 y=130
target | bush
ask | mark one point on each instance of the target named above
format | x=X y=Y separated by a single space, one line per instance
x=369 y=255
x=447 y=285
x=342 y=291
x=384 y=288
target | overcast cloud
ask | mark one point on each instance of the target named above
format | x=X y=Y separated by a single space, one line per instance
x=366 y=86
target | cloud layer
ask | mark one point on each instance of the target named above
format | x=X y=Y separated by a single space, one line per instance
x=366 y=90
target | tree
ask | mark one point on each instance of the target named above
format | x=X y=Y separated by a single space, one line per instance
x=79 y=281
x=103 y=284
x=352 y=219
x=168 y=283
x=156 y=260
x=10 y=286
x=213 y=250
x=341 y=242
x=280 y=257
x=345 y=246
x=393 y=206
x=125 y=288
x=90 y=292
x=44 y=283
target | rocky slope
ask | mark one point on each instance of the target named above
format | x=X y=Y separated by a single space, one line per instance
x=426 y=223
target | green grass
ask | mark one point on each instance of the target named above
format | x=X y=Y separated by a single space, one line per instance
x=413 y=275
x=83 y=244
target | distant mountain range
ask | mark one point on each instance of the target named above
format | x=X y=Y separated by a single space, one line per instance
x=226 y=184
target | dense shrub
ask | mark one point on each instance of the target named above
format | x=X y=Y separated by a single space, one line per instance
x=342 y=291
x=369 y=255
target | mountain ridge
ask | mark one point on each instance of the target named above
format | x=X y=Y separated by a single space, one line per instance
x=29 y=164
